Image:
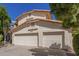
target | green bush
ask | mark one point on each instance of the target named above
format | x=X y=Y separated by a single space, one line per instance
x=76 y=44
x=1 y=39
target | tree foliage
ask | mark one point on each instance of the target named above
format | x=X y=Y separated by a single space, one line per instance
x=4 y=19
x=69 y=14
x=76 y=44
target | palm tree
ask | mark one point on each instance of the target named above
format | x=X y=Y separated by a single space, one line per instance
x=4 y=22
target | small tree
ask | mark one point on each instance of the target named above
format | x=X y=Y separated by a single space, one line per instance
x=4 y=22
x=76 y=44
x=1 y=39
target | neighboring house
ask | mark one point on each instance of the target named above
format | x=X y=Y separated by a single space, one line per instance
x=36 y=28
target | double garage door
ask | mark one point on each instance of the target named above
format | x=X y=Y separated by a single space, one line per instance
x=52 y=38
x=33 y=39
x=25 y=39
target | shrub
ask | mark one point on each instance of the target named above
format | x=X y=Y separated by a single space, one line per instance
x=1 y=39
x=76 y=44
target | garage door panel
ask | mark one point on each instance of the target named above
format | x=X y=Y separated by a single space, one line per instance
x=48 y=40
x=25 y=40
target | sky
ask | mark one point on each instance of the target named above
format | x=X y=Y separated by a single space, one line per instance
x=16 y=9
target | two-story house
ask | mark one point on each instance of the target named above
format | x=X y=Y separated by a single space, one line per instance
x=36 y=28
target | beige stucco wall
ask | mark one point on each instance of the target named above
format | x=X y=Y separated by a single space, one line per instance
x=32 y=16
x=57 y=27
x=22 y=21
x=35 y=15
x=26 y=30
x=48 y=27
x=68 y=39
x=27 y=40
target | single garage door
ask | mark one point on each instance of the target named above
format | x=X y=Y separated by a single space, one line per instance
x=52 y=38
x=25 y=39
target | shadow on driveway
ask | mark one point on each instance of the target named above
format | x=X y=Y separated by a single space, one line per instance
x=50 y=52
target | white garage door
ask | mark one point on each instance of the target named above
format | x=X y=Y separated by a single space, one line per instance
x=25 y=39
x=52 y=38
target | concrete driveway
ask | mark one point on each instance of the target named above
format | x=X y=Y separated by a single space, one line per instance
x=15 y=51
x=29 y=51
